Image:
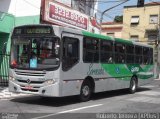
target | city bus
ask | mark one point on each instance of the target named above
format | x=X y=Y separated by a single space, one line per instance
x=57 y=61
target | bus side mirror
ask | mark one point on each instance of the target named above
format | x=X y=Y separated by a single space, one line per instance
x=4 y=48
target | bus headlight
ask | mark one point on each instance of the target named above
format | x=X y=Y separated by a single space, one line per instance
x=11 y=78
x=49 y=81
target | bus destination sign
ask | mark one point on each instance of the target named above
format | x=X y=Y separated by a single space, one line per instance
x=38 y=30
x=32 y=30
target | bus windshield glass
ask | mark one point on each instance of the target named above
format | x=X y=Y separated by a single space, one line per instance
x=38 y=53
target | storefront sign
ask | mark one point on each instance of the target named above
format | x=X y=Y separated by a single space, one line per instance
x=64 y=16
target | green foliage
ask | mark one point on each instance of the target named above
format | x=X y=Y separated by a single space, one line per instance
x=118 y=19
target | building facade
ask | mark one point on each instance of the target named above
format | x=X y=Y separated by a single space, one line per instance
x=141 y=23
x=112 y=29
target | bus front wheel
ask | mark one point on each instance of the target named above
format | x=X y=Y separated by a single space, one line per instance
x=133 y=85
x=86 y=91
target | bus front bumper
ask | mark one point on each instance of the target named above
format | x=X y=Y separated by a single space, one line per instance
x=49 y=90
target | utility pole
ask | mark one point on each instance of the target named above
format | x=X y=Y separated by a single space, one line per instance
x=158 y=46
x=140 y=3
x=106 y=11
x=157 y=53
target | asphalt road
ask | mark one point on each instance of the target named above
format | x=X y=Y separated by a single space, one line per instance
x=145 y=103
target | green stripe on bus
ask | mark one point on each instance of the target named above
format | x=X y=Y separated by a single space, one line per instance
x=89 y=34
x=117 y=70
x=120 y=70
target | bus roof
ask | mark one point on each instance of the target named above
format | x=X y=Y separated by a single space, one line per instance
x=142 y=44
x=123 y=41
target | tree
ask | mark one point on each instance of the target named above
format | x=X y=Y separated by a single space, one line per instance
x=118 y=18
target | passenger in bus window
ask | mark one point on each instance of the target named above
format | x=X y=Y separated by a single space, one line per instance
x=121 y=59
x=23 y=56
x=33 y=54
x=110 y=60
x=45 y=51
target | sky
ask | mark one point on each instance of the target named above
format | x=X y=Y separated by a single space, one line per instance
x=117 y=10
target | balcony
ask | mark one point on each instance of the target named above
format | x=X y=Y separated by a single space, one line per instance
x=151 y=28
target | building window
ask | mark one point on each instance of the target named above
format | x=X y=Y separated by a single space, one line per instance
x=134 y=20
x=110 y=34
x=134 y=38
x=152 y=37
x=153 y=19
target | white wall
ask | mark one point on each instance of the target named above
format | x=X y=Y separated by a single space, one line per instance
x=21 y=8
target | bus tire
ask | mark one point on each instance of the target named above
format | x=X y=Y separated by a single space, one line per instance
x=86 y=91
x=133 y=85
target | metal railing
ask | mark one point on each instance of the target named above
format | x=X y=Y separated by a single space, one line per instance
x=4 y=69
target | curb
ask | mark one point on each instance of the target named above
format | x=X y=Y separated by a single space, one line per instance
x=156 y=79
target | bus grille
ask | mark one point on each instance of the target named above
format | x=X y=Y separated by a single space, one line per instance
x=29 y=73
x=32 y=82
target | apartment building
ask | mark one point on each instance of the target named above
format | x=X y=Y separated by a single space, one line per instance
x=141 y=24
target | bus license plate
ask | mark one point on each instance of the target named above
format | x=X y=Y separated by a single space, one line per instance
x=28 y=87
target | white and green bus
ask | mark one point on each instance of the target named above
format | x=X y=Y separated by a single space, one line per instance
x=57 y=61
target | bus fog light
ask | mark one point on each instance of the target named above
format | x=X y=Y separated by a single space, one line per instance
x=11 y=78
x=43 y=91
x=15 y=88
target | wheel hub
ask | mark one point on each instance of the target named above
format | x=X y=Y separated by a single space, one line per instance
x=85 y=90
x=133 y=85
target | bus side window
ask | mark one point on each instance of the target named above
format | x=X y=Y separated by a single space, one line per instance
x=90 y=50
x=120 y=50
x=106 y=53
x=129 y=54
x=70 y=52
x=138 y=54
x=147 y=55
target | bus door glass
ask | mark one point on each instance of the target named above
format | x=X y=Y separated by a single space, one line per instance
x=70 y=52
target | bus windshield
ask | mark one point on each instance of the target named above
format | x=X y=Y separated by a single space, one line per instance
x=39 y=53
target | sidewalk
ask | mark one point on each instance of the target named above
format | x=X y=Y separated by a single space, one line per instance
x=5 y=94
